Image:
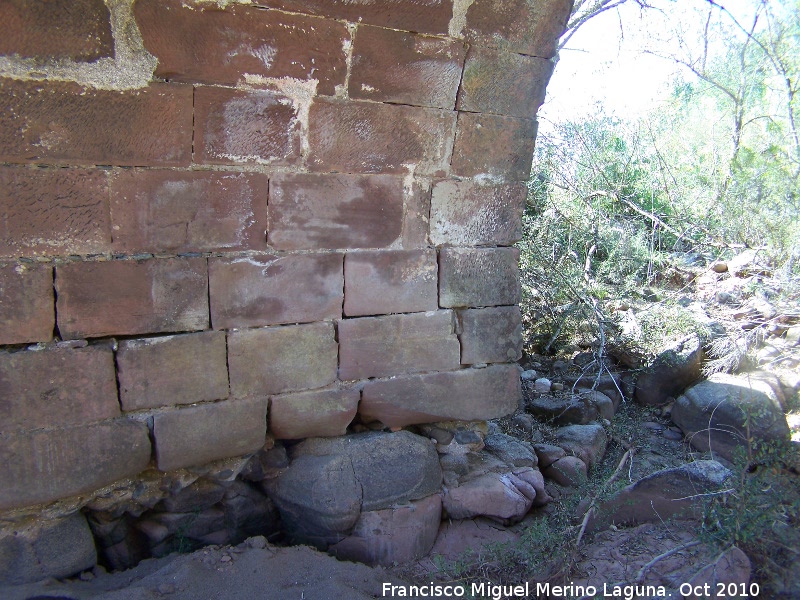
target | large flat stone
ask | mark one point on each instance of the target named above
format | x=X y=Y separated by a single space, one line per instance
x=490 y=335
x=478 y=277
x=319 y=413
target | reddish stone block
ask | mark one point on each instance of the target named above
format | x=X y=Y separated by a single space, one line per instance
x=238 y=126
x=368 y=137
x=403 y=68
x=42 y=466
x=465 y=395
x=497 y=147
x=27 y=310
x=424 y=16
x=490 y=335
x=321 y=413
x=53 y=211
x=273 y=290
x=170 y=370
x=417 y=214
x=396 y=344
x=503 y=83
x=380 y=283
x=63 y=122
x=476 y=213
x=56 y=388
x=478 y=276
x=125 y=297
x=78 y=30
x=200 y=434
x=202 y=43
x=157 y=210
x=523 y=26
x=319 y=212
x=273 y=360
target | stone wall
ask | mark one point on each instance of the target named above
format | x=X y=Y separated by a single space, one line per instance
x=226 y=223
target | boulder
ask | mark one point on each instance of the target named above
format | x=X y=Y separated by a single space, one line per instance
x=670 y=372
x=55 y=548
x=548 y=454
x=510 y=450
x=393 y=535
x=731 y=567
x=587 y=442
x=719 y=414
x=569 y=471
x=563 y=410
x=497 y=496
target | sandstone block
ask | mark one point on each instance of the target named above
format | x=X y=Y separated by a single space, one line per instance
x=390 y=282
x=53 y=211
x=318 y=212
x=587 y=442
x=503 y=83
x=493 y=146
x=199 y=434
x=469 y=394
x=176 y=369
x=490 y=335
x=43 y=466
x=204 y=44
x=56 y=388
x=125 y=297
x=319 y=413
x=397 y=344
x=27 y=307
x=477 y=213
x=78 y=30
x=520 y=26
x=65 y=122
x=271 y=290
x=281 y=359
x=671 y=372
x=403 y=68
x=366 y=137
x=188 y=211
x=53 y=548
x=478 y=276
x=240 y=126
x=431 y=16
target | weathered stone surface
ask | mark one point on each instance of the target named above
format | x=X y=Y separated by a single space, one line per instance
x=272 y=290
x=503 y=83
x=569 y=471
x=369 y=137
x=500 y=148
x=280 y=359
x=720 y=414
x=662 y=495
x=199 y=434
x=510 y=450
x=490 y=335
x=534 y=478
x=188 y=211
x=319 y=212
x=671 y=372
x=319 y=413
x=403 y=68
x=202 y=43
x=200 y=495
x=469 y=535
x=79 y=30
x=547 y=454
x=568 y=410
x=587 y=442
x=390 y=282
x=249 y=512
x=65 y=122
x=493 y=495
x=469 y=394
x=43 y=466
x=179 y=369
x=55 y=388
x=478 y=276
x=126 y=297
x=522 y=26
x=397 y=344
x=27 y=307
x=476 y=212
x=394 y=535
x=610 y=385
x=732 y=568
x=425 y=16
x=245 y=126
x=53 y=548
x=53 y=212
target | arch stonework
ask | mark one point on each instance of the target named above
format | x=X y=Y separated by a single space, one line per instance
x=228 y=226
